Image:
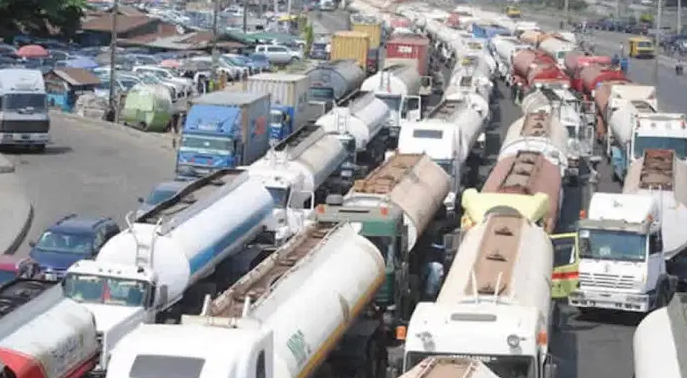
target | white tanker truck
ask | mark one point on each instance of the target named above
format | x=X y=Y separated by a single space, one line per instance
x=503 y=48
x=332 y=83
x=299 y=172
x=362 y=127
x=658 y=344
x=540 y=131
x=58 y=341
x=495 y=303
x=161 y=264
x=286 y=318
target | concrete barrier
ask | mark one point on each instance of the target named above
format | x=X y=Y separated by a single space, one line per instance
x=16 y=208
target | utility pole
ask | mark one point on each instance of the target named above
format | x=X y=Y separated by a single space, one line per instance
x=215 y=53
x=245 y=16
x=566 y=7
x=114 y=108
x=657 y=37
x=679 y=16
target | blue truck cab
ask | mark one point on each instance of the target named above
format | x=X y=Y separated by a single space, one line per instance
x=223 y=130
x=281 y=121
x=69 y=240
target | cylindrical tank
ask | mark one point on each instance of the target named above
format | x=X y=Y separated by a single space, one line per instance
x=472 y=121
x=398 y=80
x=190 y=243
x=315 y=157
x=413 y=182
x=54 y=344
x=621 y=122
x=594 y=74
x=534 y=102
x=530 y=37
x=504 y=47
x=654 y=343
x=523 y=268
x=556 y=48
x=528 y=173
x=576 y=60
x=539 y=132
x=304 y=272
x=522 y=62
x=342 y=76
x=363 y=120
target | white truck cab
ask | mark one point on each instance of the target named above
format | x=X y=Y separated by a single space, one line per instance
x=659 y=131
x=622 y=266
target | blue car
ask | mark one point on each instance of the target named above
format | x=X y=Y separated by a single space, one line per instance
x=71 y=239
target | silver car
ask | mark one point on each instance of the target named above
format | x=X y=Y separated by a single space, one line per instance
x=278 y=54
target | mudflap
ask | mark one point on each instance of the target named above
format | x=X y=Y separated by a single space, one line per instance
x=362 y=351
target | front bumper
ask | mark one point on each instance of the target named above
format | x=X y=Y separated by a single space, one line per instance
x=632 y=302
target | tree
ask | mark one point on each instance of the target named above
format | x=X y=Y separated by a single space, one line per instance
x=41 y=17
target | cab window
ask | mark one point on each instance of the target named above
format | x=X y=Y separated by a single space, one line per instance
x=563 y=251
x=655 y=243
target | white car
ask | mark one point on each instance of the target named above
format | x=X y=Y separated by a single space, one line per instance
x=279 y=54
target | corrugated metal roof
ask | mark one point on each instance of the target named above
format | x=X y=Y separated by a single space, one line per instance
x=77 y=76
x=228 y=98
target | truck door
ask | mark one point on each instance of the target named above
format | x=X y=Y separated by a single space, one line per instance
x=566 y=263
x=411 y=109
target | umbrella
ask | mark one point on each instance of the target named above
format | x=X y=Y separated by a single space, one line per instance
x=170 y=63
x=82 y=62
x=32 y=51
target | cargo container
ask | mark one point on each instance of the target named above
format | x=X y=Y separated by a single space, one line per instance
x=223 y=130
x=351 y=45
x=373 y=29
x=289 y=94
x=408 y=50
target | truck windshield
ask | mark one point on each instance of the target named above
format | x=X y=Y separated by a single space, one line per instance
x=642 y=143
x=25 y=101
x=222 y=146
x=572 y=131
x=321 y=93
x=612 y=245
x=392 y=102
x=502 y=366
x=276 y=117
x=280 y=196
x=86 y=288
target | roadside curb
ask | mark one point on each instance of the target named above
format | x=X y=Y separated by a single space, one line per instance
x=14 y=246
x=164 y=139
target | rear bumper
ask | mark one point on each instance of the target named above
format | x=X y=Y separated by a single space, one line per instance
x=24 y=138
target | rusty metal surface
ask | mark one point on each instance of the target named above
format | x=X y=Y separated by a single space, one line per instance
x=494 y=265
x=527 y=173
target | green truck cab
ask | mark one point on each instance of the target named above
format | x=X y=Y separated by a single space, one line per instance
x=384 y=227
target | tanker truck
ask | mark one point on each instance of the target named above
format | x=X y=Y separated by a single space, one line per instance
x=19 y=292
x=557 y=49
x=629 y=240
x=166 y=261
x=504 y=48
x=362 y=128
x=658 y=346
x=331 y=83
x=58 y=341
x=400 y=216
x=496 y=299
x=471 y=75
x=399 y=87
x=540 y=132
x=449 y=147
x=299 y=172
x=443 y=366
x=577 y=119
x=636 y=125
x=266 y=322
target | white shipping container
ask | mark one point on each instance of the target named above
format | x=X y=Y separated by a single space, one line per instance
x=285 y=89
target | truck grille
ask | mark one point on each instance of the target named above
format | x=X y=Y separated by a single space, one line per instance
x=610 y=281
x=17 y=126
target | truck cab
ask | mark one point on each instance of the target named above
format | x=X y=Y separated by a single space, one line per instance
x=622 y=262
x=385 y=229
x=641 y=47
x=281 y=122
x=24 y=118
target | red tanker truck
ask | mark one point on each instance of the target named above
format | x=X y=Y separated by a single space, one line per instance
x=529 y=66
x=596 y=84
x=576 y=61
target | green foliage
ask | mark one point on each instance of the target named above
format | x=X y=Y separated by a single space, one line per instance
x=40 y=17
x=309 y=37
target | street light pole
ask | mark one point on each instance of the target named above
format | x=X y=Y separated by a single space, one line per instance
x=113 y=55
x=567 y=13
x=657 y=39
x=679 y=16
x=215 y=56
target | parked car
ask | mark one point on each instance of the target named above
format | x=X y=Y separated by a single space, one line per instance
x=279 y=54
x=160 y=193
x=260 y=62
x=233 y=61
x=319 y=51
x=71 y=239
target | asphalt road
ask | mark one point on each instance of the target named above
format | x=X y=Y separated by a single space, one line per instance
x=91 y=170
x=670 y=87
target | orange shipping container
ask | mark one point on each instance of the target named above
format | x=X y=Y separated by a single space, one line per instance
x=351 y=45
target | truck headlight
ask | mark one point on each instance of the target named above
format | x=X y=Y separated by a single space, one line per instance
x=636 y=298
